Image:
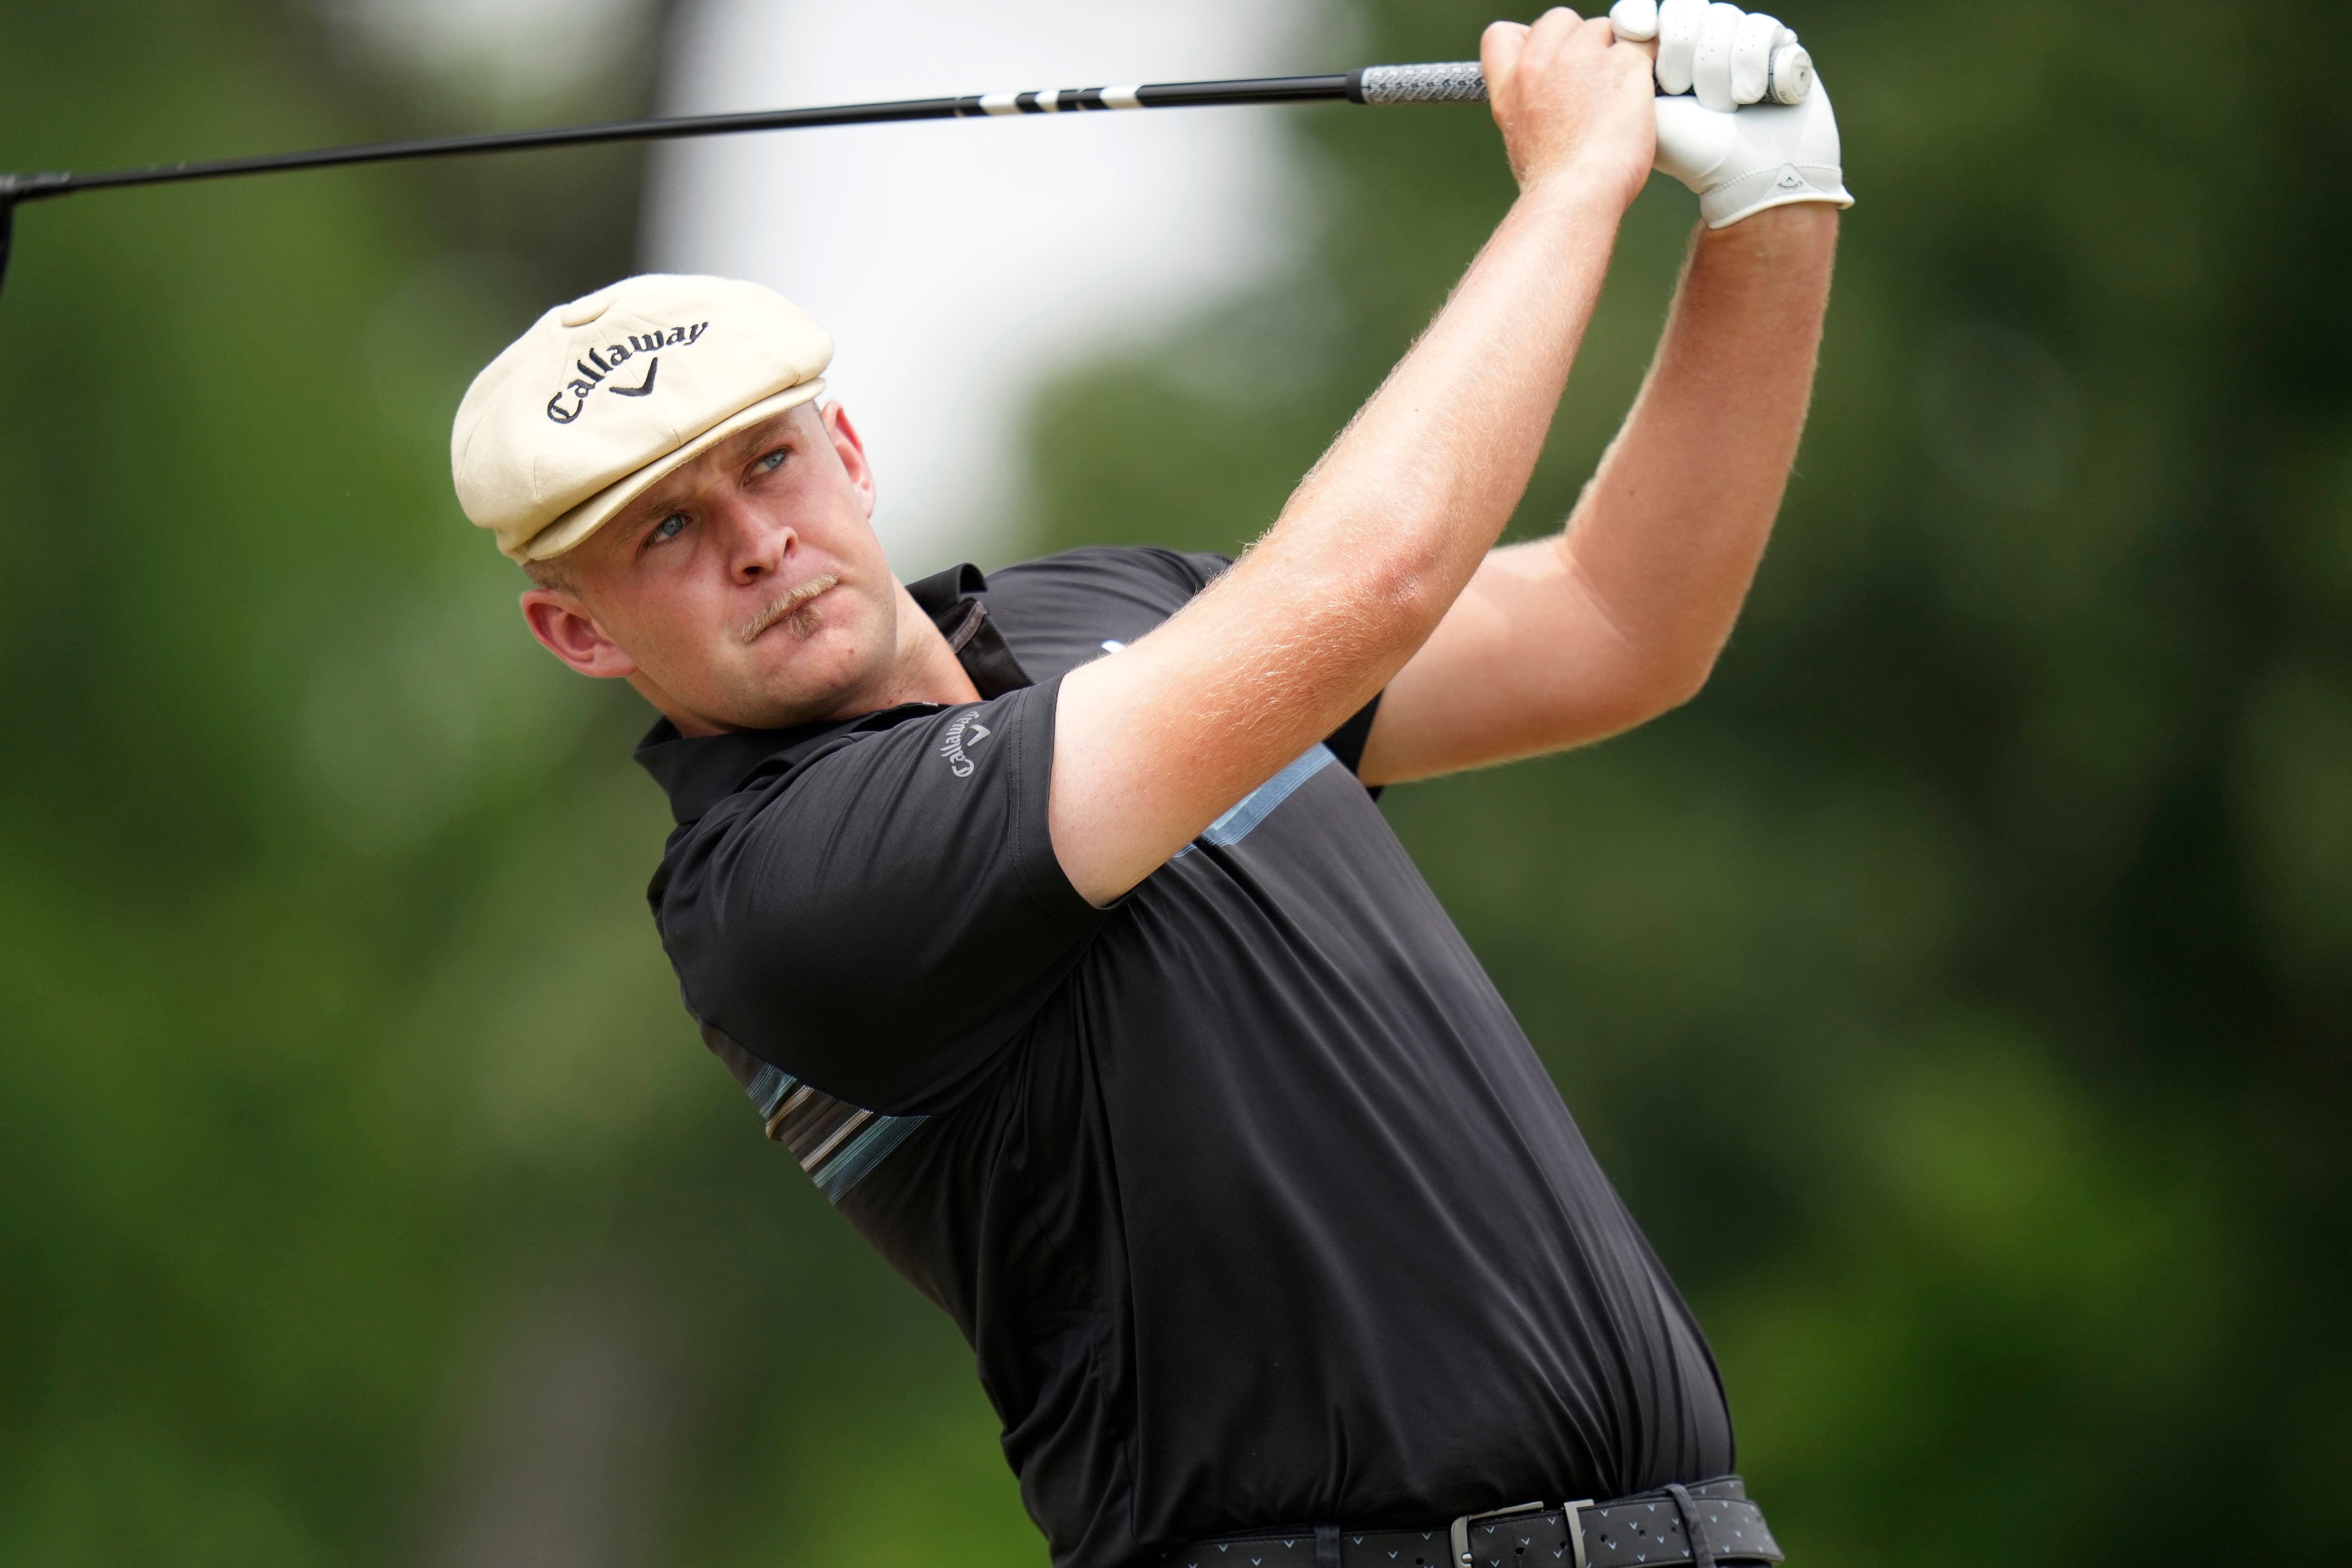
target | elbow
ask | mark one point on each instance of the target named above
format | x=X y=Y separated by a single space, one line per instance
x=1407 y=554
x=1412 y=597
x=1684 y=679
x=1659 y=687
x=1385 y=597
x=1418 y=563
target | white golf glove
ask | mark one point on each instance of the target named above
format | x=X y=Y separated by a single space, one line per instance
x=1750 y=125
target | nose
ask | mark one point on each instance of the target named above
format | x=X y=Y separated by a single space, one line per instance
x=757 y=542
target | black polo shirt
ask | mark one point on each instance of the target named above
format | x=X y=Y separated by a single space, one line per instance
x=1253 y=1199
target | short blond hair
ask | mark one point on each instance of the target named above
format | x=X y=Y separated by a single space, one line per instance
x=553 y=574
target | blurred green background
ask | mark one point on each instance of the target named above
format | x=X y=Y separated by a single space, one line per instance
x=1957 y=990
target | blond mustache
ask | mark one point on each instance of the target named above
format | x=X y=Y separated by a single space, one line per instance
x=786 y=606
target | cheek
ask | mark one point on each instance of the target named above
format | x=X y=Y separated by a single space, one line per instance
x=830 y=514
x=669 y=613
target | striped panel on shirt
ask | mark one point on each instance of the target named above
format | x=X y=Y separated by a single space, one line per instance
x=837 y=1144
x=1258 y=805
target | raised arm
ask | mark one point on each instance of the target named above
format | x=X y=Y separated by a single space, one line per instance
x=1153 y=743
x=1564 y=641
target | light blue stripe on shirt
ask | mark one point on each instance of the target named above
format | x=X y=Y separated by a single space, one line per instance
x=1258 y=805
x=768 y=1087
x=867 y=1150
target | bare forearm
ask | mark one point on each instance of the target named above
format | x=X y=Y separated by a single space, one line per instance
x=1666 y=538
x=1362 y=563
x=1397 y=516
x=1153 y=743
x=1565 y=640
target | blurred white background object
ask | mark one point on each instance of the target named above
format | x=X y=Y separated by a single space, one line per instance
x=959 y=264
x=513 y=57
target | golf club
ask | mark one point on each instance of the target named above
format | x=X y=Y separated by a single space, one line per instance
x=1454 y=81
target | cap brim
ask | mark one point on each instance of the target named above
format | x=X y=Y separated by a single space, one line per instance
x=567 y=531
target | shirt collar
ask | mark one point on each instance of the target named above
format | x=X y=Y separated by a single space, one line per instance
x=699 y=771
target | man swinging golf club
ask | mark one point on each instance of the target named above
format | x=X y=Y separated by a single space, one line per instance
x=1047 y=917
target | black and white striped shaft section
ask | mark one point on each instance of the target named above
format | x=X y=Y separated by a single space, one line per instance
x=1457 y=82
x=1453 y=82
x=1160 y=95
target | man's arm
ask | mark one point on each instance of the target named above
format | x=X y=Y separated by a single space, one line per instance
x=1564 y=641
x=1154 y=742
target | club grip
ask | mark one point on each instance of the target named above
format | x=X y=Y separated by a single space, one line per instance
x=1448 y=82
x=1789 y=76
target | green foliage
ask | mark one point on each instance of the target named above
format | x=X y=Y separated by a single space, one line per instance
x=371 y=1199
x=1955 y=988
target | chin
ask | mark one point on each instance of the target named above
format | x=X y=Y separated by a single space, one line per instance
x=822 y=673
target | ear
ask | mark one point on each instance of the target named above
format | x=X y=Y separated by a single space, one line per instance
x=565 y=628
x=851 y=450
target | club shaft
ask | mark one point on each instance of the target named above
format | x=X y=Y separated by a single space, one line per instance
x=1345 y=86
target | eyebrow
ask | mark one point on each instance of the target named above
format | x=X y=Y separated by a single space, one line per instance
x=652 y=507
x=647 y=510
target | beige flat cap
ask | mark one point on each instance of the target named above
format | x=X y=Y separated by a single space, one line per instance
x=606 y=395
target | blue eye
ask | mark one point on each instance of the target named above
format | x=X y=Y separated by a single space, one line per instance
x=669 y=527
x=772 y=462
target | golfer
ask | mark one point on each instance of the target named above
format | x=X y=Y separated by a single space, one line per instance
x=1048 y=918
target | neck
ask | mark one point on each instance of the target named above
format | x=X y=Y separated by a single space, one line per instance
x=923 y=669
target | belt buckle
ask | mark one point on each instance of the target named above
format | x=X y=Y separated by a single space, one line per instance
x=1567 y=1516
x=1459 y=1534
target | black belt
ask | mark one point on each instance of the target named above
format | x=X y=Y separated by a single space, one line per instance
x=1708 y=1523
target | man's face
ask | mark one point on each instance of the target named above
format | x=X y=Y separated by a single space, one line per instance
x=745 y=591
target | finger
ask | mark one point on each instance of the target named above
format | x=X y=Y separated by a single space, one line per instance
x=1552 y=31
x=1792 y=73
x=1636 y=21
x=1711 y=63
x=1602 y=34
x=1678 y=28
x=1752 y=56
x=1558 y=19
x=1692 y=143
x=1499 y=48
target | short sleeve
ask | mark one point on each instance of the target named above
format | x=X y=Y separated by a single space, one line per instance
x=884 y=919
